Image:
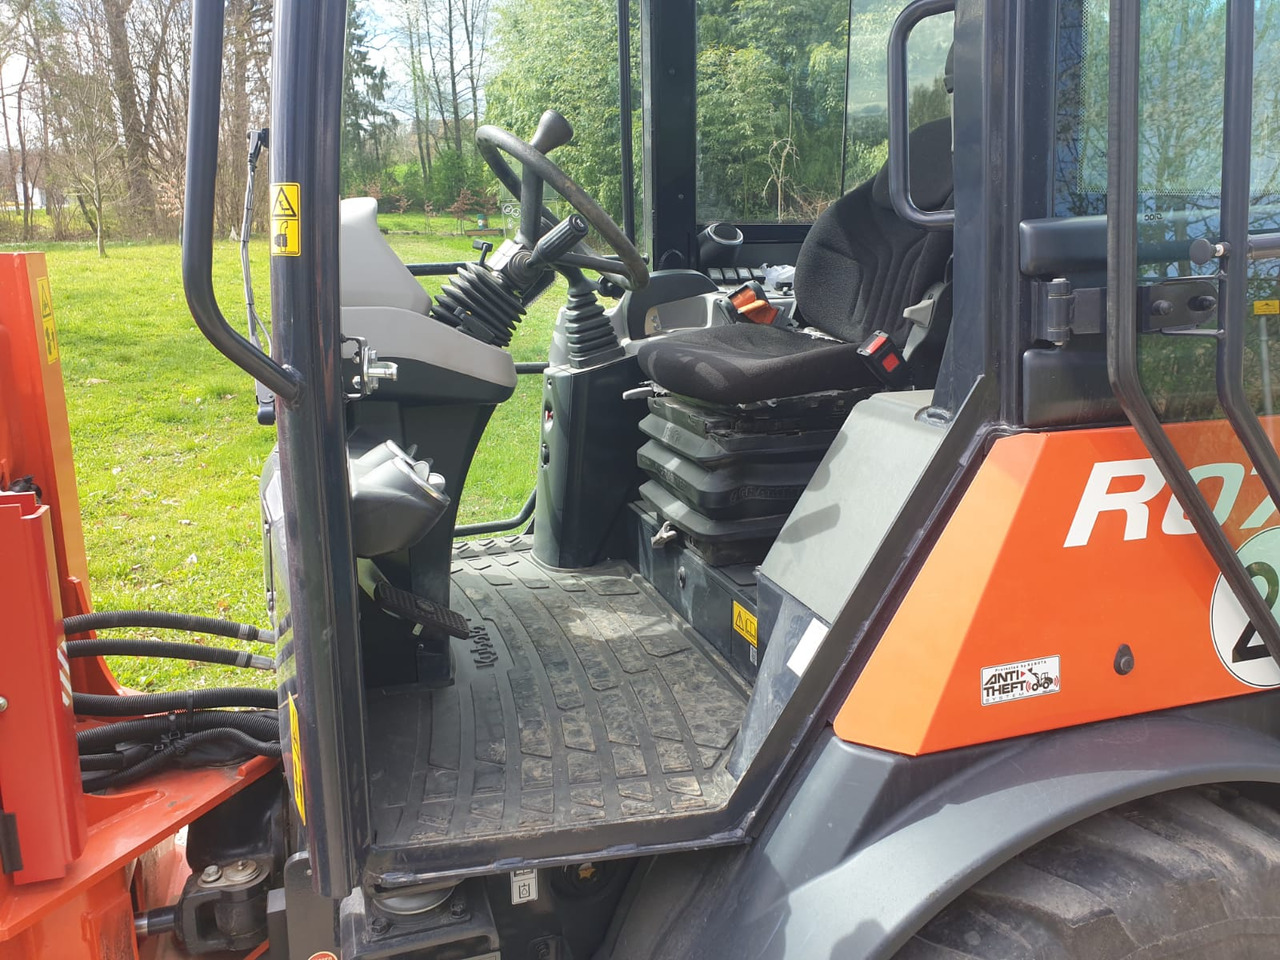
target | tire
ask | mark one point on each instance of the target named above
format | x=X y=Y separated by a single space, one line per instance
x=1192 y=874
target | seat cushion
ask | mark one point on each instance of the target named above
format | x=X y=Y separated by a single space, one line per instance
x=747 y=362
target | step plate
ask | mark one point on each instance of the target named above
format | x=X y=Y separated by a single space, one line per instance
x=581 y=702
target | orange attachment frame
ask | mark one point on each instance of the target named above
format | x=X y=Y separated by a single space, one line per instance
x=1066 y=550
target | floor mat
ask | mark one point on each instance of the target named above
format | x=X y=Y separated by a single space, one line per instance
x=580 y=700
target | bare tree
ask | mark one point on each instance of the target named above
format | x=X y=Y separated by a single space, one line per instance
x=90 y=158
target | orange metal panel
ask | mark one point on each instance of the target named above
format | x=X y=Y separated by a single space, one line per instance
x=1067 y=545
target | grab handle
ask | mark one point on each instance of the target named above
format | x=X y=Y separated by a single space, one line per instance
x=899 y=130
x=197 y=223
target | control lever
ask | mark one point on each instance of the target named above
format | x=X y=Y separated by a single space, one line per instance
x=559 y=240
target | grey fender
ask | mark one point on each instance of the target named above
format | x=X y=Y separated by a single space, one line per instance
x=871 y=902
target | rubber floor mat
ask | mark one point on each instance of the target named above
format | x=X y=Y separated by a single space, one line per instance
x=581 y=700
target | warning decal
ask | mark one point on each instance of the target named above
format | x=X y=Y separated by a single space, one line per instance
x=295 y=745
x=744 y=622
x=46 y=319
x=1261 y=307
x=1017 y=681
x=286 y=220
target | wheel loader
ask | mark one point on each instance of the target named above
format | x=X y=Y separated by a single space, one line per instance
x=896 y=583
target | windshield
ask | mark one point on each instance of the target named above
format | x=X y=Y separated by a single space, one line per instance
x=792 y=101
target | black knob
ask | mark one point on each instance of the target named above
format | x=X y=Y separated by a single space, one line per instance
x=553 y=131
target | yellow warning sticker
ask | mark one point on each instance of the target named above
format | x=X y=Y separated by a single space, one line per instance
x=295 y=745
x=1262 y=307
x=46 y=319
x=286 y=220
x=744 y=622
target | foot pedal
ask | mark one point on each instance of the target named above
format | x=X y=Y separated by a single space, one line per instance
x=410 y=606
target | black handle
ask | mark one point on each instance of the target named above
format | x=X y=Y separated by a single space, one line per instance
x=899 y=129
x=197 y=223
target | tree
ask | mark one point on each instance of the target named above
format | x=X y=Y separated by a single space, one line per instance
x=142 y=196
x=89 y=155
x=564 y=54
x=366 y=123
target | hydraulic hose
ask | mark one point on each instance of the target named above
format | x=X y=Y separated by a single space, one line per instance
x=261 y=726
x=166 y=649
x=164 y=757
x=133 y=705
x=161 y=620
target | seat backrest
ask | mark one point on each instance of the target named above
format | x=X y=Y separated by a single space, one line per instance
x=861 y=265
x=369 y=272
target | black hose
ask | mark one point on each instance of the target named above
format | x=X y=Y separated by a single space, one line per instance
x=167 y=649
x=98 y=762
x=174 y=751
x=160 y=620
x=260 y=726
x=134 y=705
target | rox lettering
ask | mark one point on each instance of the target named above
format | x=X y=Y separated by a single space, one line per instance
x=1098 y=498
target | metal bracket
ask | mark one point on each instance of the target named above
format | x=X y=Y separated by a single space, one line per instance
x=362 y=371
x=1177 y=305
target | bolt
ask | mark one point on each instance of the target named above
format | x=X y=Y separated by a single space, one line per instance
x=4 y=704
x=212 y=874
x=1124 y=662
x=379 y=925
x=457 y=907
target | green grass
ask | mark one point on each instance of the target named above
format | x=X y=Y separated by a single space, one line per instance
x=168 y=451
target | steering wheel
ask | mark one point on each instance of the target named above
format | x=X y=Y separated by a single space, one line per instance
x=554 y=131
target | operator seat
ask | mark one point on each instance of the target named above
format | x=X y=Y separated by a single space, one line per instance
x=751 y=409
x=859 y=269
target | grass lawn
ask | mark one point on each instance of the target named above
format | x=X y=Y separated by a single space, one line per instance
x=168 y=451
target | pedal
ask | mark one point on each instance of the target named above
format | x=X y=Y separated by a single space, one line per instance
x=410 y=606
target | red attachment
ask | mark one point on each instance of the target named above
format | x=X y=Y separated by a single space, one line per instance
x=130 y=855
x=39 y=765
x=35 y=440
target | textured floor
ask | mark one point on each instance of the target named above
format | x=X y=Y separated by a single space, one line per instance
x=579 y=701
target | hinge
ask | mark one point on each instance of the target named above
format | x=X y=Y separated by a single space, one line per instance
x=1061 y=311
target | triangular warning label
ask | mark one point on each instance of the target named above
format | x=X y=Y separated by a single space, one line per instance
x=283 y=205
x=46 y=301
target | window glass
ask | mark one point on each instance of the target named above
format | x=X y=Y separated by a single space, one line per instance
x=867 y=134
x=1180 y=137
x=791 y=101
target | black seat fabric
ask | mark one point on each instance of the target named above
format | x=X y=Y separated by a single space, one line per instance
x=747 y=362
x=858 y=269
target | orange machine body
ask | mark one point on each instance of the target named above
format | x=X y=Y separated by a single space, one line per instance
x=1069 y=587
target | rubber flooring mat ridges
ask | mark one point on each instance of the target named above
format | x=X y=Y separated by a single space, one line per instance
x=580 y=700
